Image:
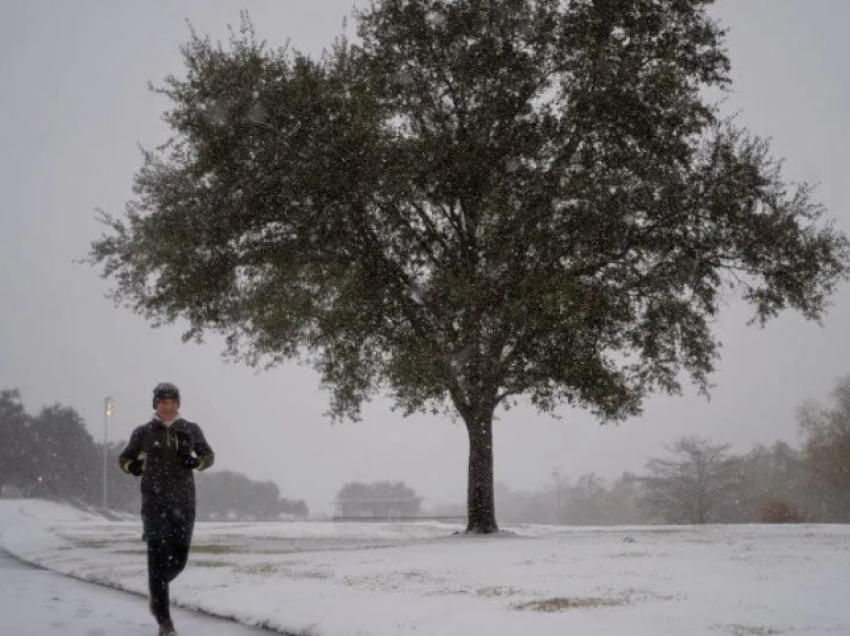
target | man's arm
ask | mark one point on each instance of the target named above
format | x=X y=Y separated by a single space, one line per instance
x=203 y=451
x=129 y=460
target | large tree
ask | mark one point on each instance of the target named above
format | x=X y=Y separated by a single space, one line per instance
x=473 y=201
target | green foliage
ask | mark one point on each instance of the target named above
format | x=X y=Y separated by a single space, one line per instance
x=477 y=200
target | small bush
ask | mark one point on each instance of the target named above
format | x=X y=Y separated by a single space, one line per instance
x=779 y=512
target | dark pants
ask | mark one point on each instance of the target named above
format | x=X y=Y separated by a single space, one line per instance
x=168 y=531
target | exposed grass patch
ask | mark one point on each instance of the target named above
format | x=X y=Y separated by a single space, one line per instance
x=377 y=582
x=559 y=604
x=283 y=570
x=92 y=543
x=636 y=595
x=209 y=563
x=213 y=549
x=411 y=575
x=308 y=574
x=752 y=630
x=259 y=568
x=497 y=591
x=448 y=591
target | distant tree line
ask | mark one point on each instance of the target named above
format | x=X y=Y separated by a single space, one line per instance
x=700 y=481
x=52 y=455
x=47 y=455
x=228 y=495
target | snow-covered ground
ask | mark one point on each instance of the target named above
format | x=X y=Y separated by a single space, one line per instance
x=420 y=579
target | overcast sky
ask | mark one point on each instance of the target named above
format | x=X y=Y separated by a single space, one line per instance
x=74 y=107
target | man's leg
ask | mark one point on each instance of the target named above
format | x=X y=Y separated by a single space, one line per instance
x=181 y=526
x=158 y=573
x=178 y=554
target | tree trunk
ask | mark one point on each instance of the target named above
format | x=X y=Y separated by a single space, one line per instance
x=480 y=501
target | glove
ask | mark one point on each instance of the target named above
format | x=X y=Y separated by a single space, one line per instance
x=191 y=462
x=135 y=467
x=184 y=450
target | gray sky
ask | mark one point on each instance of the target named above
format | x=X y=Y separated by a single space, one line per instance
x=74 y=106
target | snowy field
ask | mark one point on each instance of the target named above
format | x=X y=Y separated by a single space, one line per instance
x=386 y=579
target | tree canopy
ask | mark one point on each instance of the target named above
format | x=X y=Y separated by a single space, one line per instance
x=471 y=202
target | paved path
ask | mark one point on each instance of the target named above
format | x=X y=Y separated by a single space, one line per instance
x=35 y=602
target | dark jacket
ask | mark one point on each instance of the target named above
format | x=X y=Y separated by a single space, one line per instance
x=167 y=454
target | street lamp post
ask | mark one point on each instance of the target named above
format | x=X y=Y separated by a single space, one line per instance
x=108 y=408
